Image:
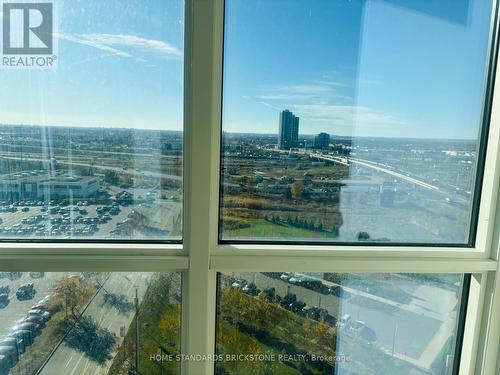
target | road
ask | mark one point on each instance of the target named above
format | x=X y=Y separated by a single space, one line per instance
x=132 y=172
x=342 y=160
x=68 y=361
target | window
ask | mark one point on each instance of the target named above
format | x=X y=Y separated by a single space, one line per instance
x=84 y=322
x=289 y=186
x=343 y=125
x=314 y=323
x=92 y=150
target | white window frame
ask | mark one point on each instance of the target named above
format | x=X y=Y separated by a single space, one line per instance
x=200 y=256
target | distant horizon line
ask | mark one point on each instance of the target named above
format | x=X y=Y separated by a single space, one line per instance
x=228 y=132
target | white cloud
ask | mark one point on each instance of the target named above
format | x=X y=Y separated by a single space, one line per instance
x=300 y=91
x=322 y=101
x=344 y=115
x=269 y=105
x=94 y=44
x=133 y=41
x=120 y=45
x=333 y=83
x=316 y=90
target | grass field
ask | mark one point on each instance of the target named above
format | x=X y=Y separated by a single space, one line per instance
x=260 y=228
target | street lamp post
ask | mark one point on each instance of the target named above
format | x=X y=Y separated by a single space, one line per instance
x=136 y=300
x=394 y=338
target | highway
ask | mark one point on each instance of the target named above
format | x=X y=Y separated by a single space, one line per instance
x=342 y=160
x=96 y=166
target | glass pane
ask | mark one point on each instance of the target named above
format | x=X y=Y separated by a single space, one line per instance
x=86 y=323
x=343 y=324
x=91 y=149
x=349 y=121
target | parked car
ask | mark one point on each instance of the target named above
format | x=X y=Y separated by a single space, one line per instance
x=4 y=289
x=238 y=284
x=340 y=292
x=46 y=299
x=33 y=319
x=251 y=289
x=345 y=321
x=4 y=300
x=295 y=280
x=37 y=275
x=32 y=327
x=5 y=364
x=296 y=306
x=40 y=306
x=315 y=285
x=45 y=315
x=287 y=300
x=15 y=342
x=23 y=334
x=25 y=292
x=269 y=294
x=286 y=276
x=10 y=353
x=274 y=275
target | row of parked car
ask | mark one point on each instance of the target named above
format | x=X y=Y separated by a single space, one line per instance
x=291 y=303
x=52 y=202
x=64 y=224
x=288 y=302
x=309 y=282
x=22 y=335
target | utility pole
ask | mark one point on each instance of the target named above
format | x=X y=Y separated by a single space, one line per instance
x=136 y=300
x=394 y=338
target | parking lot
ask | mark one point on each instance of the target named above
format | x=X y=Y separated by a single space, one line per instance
x=83 y=219
x=16 y=309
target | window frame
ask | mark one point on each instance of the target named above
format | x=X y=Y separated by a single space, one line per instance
x=201 y=256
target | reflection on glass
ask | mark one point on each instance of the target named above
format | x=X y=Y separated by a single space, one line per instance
x=89 y=323
x=92 y=149
x=352 y=121
x=344 y=324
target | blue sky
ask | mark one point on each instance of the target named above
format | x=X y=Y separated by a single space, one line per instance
x=362 y=68
x=120 y=65
x=359 y=67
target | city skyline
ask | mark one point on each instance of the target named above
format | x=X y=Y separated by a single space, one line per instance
x=116 y=75
x=225 y=132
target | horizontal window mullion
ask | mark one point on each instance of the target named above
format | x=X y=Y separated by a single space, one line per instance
x=349 y=251
x=89 y=249
x=97 y=263
x=350 y=264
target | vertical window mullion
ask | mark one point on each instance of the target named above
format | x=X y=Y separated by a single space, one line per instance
x=203 y=76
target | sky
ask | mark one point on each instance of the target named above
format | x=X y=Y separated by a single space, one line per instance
x=120 y=64
x=388 y=68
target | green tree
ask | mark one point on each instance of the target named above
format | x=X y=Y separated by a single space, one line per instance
x=363 y=236
x=297 y=189
x=72 y=292
x=111 y=177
